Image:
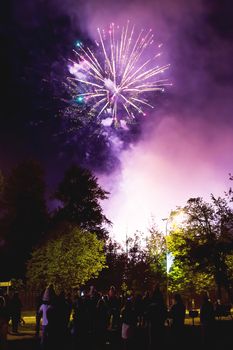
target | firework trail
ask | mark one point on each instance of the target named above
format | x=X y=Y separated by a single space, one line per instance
x=120 y=78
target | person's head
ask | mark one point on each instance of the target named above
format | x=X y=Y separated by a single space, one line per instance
x=112 y=291
x=105 y=298
x=205 y=296
x=16 y=295
x=49 y=295
x=177 y=298
x=2 y=302
x=92 y=289
x=101 y=303
x=157 y=296
x=62 y=294
x=128 y=304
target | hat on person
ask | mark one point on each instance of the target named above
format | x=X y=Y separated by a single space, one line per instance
x=49 y=293
x=46 y=296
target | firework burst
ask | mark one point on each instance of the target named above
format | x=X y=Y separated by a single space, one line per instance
x=119 y=78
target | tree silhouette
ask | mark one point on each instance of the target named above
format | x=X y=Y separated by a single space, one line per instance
x=24 y=215
x=80 y=195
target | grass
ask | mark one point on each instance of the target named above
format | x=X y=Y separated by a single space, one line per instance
x=30 y=321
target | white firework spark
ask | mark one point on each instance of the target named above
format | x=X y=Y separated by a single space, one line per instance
x=117 y=80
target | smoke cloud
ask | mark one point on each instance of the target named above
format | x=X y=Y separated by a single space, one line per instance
x=184 y=147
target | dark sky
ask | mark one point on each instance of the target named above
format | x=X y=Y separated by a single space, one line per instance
x=34 y=40
x=37 y=38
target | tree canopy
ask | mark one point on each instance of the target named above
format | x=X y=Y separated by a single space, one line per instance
x=67 y=261
x=203 y=244
x=134 y=266
x=80 y=195
x=23 y=215
x=156 y=252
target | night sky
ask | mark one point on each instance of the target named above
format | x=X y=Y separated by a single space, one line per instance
x=184 y=148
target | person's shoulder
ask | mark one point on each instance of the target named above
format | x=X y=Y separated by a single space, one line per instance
x=43 y=307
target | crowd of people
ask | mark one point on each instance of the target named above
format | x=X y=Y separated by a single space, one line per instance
x=91 y=317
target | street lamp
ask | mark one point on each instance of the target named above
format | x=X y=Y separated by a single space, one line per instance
x=177 y=218
x=167 y=269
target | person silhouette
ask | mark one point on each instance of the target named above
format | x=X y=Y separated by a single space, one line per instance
x=177 y=316
x=156 y=316
x=4 y=321
x=207 y=319
x=15 y=311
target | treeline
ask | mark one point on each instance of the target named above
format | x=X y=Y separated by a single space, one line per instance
x=26 y=221
x=70 y=247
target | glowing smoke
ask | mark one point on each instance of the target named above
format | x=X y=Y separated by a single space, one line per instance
x=174 y=162
x=186 y=148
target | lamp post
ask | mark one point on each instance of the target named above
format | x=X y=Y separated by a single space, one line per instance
x=176 y=218
x=167 y=282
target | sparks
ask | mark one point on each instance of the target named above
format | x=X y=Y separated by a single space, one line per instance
x=119 y=78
